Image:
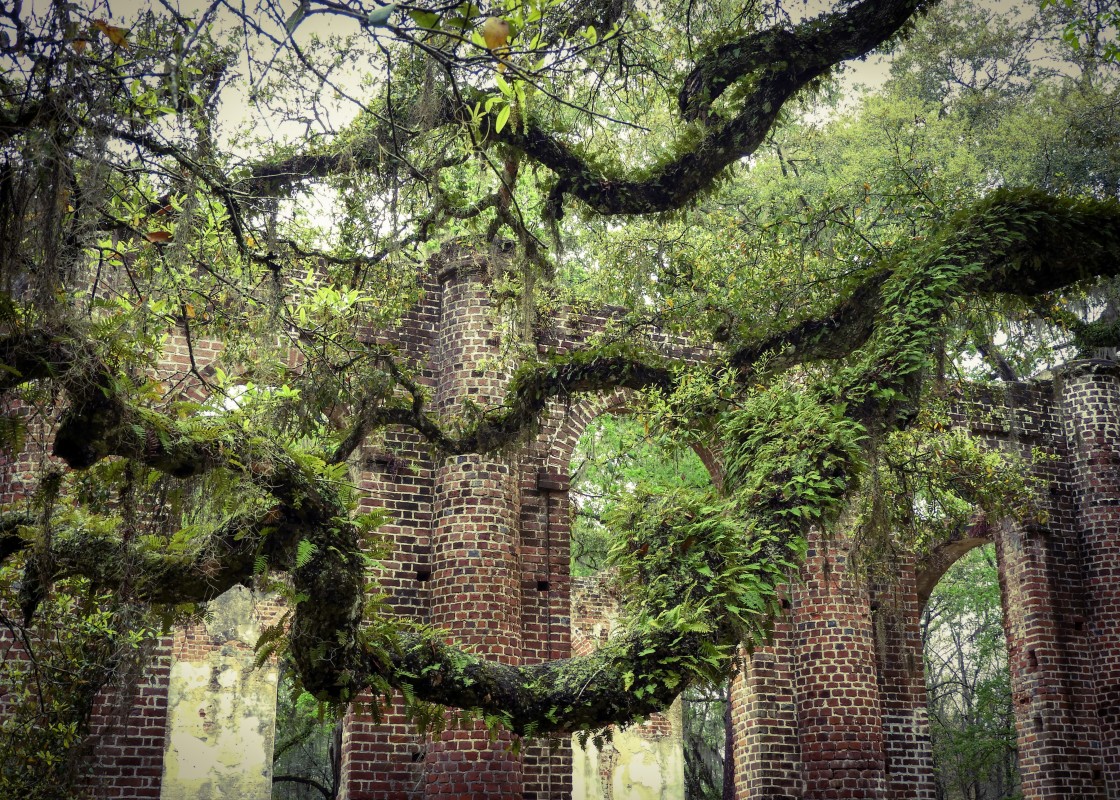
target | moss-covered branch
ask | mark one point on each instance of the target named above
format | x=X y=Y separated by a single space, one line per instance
x=704 y=570
x=532 y=388
x=93 y=548
x=780 y=62
x=1014 y=242
x=562 y=696
x=1023 y=243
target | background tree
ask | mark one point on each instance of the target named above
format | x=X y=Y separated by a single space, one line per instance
x=834 y=293
x=971 y=719
x=614 y=456
x=706 y=715
x=307 y=758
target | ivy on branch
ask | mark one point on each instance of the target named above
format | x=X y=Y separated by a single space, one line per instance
x=704 y=569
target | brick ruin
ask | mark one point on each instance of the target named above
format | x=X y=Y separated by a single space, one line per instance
x=833 y=707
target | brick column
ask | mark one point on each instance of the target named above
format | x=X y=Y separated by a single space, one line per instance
x=475 y=582
x=1089 y=393
x=767 y=752
x=545 y=613
x=1051 y=689
x=908 y=754
x=840 y=719
x=130 y=734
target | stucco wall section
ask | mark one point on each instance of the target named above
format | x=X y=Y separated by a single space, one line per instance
x=642 y=762
x=221 y=710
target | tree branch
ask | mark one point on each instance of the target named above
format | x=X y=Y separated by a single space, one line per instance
x=1012 y=242
x=781 y=61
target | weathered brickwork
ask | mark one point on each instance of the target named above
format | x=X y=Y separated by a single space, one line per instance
x=1042 y=568
x=129 y=727
x=1089 y=395
x=907 y=758
x=767 y=751
x=832 y=707
x=838 y=705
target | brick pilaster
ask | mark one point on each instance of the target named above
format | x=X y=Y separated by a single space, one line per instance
x=767 y=751
x=1090 y=401
x=908 y=754
x=475 y=582
x=840 y=718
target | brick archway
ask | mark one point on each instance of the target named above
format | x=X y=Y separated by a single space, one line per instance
x=834 y=706
x=649 y=755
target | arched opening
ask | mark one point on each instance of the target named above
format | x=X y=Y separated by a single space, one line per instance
x=971 y=718
x=616 y=453
x=678 y=754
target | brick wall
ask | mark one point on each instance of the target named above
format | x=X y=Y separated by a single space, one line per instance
x=1043 y=589
x=834 y=706
x=129 y=726
x=480 y=543
x=1089 y=397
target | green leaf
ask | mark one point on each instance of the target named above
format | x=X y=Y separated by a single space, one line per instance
x=425 y=19
x=304 y=552
x=296 y=17
x=379 y=17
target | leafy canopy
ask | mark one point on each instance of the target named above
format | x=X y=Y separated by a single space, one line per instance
x=259 y=190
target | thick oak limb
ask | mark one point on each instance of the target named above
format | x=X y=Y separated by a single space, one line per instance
x=801 y=54
x=780 y=61
x=1023 y=243
x=1026 y=243
x=1030 y=243
x=323 y=635
x=383 y=143
x=100 y=422
x=1020 y=243
x=217 y=562
x=41 y=354
x=834 y=335
x=530 y=393
x=278 y=177
x=556 y=697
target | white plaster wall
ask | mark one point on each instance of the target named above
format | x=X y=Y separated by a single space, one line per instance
x=642 y=766
x=222 y=713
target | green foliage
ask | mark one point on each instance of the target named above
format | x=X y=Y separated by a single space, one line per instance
x=277 y=260
x=930 y=480
x=308 y=745
x=1089 y=27
x=689 y=559
x=83 y=643
x=615 y=455
x=791 y=457
x=704 y=736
